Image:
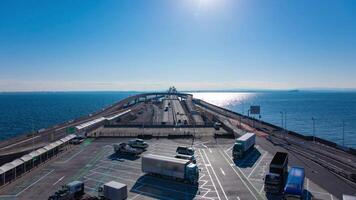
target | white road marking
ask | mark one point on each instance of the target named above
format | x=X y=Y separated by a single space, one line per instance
x=222 y=189
x=257 y=164
x=229 y=150
x=238 y=198
x=70 y=158
x=16 y=195
x=239 y=175
x=210 y=175
x=222 y=171
x=59 y=180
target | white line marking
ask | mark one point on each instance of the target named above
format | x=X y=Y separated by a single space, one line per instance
x=227 y=151
x=238 y=198
x=239 y=175
x=222 y=171
x=210 y=176
x=16 y=195
x=70 y=158
x=257 y=164
x=58 y=180
x=222 y=189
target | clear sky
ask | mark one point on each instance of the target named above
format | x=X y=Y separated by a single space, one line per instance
x=192 y=44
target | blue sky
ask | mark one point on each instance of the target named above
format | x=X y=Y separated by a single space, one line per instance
x=192 y=44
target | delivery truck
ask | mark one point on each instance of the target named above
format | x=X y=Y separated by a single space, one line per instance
x=295 y=184
x=170 y=167
x=277 y=175
x=112 y=191
x=243 y=144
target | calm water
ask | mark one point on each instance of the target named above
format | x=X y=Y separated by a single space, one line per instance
x=329 y=109
x=22 y=112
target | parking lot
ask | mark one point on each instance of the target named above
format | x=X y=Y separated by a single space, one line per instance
x=95 y=163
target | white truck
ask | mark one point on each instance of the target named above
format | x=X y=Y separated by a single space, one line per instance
x=113 y=191
x=243 y=144
x=171 y=167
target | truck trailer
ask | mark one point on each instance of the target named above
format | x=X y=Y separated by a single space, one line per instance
x=295 y=184
x=112 y=191
x=277 y=175
x=170 y=167
x=243 y=144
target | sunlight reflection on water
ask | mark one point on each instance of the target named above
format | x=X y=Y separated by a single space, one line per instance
x=224 y=99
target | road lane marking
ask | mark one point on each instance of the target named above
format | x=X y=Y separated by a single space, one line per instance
x=229 y=149
x=240 y=176
x=257 y=164
x=58 y=180
x=16 y=195
x=222 y=189
x=222 y=171
x=70 y=158
x=209 y=175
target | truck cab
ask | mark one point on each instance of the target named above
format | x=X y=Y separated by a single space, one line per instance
x=237 y=150
x=275 y=179
x=243 y=144
x=295 y=184
x=192 y=173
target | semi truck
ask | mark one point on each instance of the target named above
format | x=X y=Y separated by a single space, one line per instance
x=72 y=190
x=277 y=175
x=170 y=167
x=112 y=191
x=295 y=184
x=243 y=144
x=126 y=149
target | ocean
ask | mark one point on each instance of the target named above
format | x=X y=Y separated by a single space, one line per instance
x=333 y=112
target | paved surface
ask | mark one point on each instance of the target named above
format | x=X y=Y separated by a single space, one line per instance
x=95 y=163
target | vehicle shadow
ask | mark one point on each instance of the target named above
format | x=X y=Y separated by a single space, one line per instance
x=164 y=188
x=306 y=196
x=249 y=159
x=122 y=157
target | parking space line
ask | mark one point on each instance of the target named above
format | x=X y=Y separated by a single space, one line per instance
x=58 y=180
x=222 y=189
x=256 y=165
x=70 y=158
x=240 y=176
x=222 y=171
x=229 y=149
x=210 y=175
x=16 y=195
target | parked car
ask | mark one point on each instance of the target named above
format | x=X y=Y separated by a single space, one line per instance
x=138 y=143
